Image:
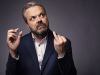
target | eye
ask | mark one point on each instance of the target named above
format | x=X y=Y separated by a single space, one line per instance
x=42 y=14
x=33 y=18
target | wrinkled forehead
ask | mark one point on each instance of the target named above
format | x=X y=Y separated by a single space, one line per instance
x=34 y=11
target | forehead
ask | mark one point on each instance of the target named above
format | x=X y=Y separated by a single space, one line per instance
x=33 y=11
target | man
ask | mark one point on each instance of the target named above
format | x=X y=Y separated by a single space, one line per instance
x=40 y=52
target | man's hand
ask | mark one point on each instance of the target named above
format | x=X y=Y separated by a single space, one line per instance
x=59 y=43
x=13 y=40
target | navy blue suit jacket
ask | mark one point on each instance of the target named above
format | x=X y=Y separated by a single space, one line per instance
x=28 y=61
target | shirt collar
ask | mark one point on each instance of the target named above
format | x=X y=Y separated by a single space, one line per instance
x=36 y=40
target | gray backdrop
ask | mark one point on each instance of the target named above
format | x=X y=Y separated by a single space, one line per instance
x=79 y=20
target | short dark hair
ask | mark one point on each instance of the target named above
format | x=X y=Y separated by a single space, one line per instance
x=31 y=4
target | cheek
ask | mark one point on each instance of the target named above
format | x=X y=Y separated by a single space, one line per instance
x=32 y=25
x=45 y=21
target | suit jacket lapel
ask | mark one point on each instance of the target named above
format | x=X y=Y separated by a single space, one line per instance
x=32 y=50
x=49 y=50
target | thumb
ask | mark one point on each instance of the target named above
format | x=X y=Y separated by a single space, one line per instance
x=19 y=35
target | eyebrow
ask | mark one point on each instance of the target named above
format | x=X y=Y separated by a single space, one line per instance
x=42 y=13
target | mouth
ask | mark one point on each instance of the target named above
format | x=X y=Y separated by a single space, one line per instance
x=41 y=26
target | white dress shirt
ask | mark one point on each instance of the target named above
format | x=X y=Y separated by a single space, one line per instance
x=40 y=47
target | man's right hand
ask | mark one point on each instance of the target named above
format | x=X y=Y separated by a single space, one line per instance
x=13 y=40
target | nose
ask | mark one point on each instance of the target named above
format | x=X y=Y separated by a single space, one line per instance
x=39 y=20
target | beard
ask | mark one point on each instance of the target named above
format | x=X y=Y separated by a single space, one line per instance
x=41 y=31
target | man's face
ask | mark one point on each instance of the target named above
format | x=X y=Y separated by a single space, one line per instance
x=37 y=19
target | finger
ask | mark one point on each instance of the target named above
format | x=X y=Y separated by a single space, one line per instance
x=64 y=39
x=55 y=35
x=19 y=37
x=11 y=38
x=13 y=30
x=20 y=34
x=60 y=39
x=12 y=35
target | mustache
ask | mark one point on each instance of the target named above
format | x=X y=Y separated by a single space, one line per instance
x=41 y=24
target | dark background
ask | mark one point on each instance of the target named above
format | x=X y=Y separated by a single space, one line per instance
x=79 y=20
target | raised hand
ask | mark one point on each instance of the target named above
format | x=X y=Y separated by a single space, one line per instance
x=13 y=40
x=59 y=43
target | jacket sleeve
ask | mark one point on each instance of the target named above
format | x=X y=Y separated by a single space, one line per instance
x=11 y=66
x=66 y=64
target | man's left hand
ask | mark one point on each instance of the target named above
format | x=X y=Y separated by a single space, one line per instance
x=59 y=43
